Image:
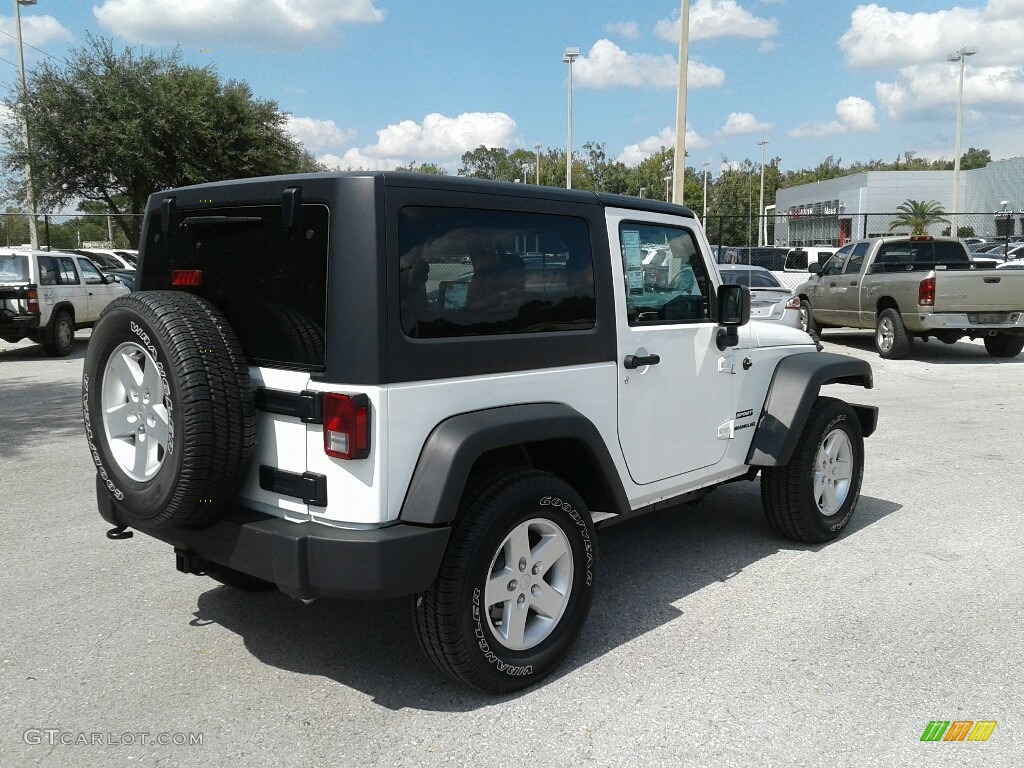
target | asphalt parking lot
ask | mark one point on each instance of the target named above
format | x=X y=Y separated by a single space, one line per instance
x=711 y=641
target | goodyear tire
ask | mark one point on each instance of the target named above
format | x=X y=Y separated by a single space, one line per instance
x=812 y=498
x=168 y=408
x=515 y=585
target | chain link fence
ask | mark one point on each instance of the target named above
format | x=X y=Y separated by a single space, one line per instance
x=79 y=230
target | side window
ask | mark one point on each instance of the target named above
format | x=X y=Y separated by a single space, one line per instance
x=48 y=273
x=665 y=277
x=834 y=266
x=90 y=273
x=856 y=262
x=470 y=272
x=66 y=271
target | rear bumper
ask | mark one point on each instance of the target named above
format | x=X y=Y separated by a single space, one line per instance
x=964 y=321
x=309 y=560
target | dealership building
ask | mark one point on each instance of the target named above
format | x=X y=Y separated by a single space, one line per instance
x=991 y=201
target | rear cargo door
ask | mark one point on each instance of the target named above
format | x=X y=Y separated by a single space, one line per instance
x=269 y=279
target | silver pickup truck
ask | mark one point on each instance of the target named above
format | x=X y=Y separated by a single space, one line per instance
x=915 y=287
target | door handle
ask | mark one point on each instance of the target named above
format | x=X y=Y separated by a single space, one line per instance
x=638 y=361
x=833 y=285
x=853 y=282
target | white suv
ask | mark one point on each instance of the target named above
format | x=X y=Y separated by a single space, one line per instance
x=378 y=384
x=47 y=295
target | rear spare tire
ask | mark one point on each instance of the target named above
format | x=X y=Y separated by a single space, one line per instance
x=168 y=408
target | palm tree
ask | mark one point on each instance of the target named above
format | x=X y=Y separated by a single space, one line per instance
x=918 y=216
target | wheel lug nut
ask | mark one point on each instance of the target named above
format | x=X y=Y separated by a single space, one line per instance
x=522 y=563
x=535 y=590
x=521 y=600
x=536 y=568
x=512 y=585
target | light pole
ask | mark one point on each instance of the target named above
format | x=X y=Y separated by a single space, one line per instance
x=679 y=161
x=643 y=190
x=30 y=197
x=960 y=56
x=762 y=227
x=706 y=163
x=668 y=181
x=537 y=147
x=570 y=55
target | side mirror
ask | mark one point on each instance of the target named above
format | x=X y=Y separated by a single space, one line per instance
x=814 y=268
x=733 y=311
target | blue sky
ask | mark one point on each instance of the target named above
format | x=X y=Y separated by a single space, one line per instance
x=375 y=83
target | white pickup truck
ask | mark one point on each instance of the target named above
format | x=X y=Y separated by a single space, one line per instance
x=915 y=287
x=46 y=295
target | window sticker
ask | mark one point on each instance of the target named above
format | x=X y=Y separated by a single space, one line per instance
x=634 y=259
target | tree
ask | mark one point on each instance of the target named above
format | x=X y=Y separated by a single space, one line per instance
x=431 y=168
x=918 y=216
x=115 y=127
x=975 y=158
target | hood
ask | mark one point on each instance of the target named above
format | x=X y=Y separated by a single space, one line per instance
x=771 y=333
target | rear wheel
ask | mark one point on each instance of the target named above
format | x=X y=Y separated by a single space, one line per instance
x=812 y=498
x=61 y=335
x=1004 y=345
x=891 y=338
x=515 y=585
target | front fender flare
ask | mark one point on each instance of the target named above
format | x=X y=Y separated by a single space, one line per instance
x=454 y=446
x=795 y=386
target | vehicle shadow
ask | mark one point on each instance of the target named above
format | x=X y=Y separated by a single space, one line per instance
x=36 y=412
x=646 y=566
x=26 y=350
x=932 y=351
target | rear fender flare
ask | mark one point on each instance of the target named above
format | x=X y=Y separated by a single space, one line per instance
x=453 y=447
x=795 y=386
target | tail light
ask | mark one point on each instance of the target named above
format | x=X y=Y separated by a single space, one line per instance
x=793 y=303
x=346 y=426
x=186 y=278
x=926 y=293
x=33 y=301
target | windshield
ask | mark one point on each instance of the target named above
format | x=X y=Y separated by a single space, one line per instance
x=14 y=269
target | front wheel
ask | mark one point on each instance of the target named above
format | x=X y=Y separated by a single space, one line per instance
x=812 y=498
x=515 y=585
x=807 y=323
x=891 y=338
x=1004 y=345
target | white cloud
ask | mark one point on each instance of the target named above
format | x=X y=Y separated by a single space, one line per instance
x=879 y=38
x=211 y=22
x=628 y=30
x=317 y=135
x=718 y=18
x=921 y=90
x=742 y=124
x=634 y=154
x=608 y=66
x=35 y=30
x=856 y=115
x=437 y=137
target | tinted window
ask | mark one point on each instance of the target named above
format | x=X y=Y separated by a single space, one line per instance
x=66 y=274
x=665 y=277
x=270 y=283
x=467 y=272
x=911 y=255
x=856 y=261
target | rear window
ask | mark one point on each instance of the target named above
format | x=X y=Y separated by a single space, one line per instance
x=915 y=255
x=750 y=278
x=14 y=269
x=470 y=272
x=269 y=282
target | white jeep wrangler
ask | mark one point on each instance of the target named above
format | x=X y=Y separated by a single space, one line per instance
x=377 y=384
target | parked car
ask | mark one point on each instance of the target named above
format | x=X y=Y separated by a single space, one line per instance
x=284 y=404
x=908 y=287
x=769 y=299
x=45 y=296
x=106 y=257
